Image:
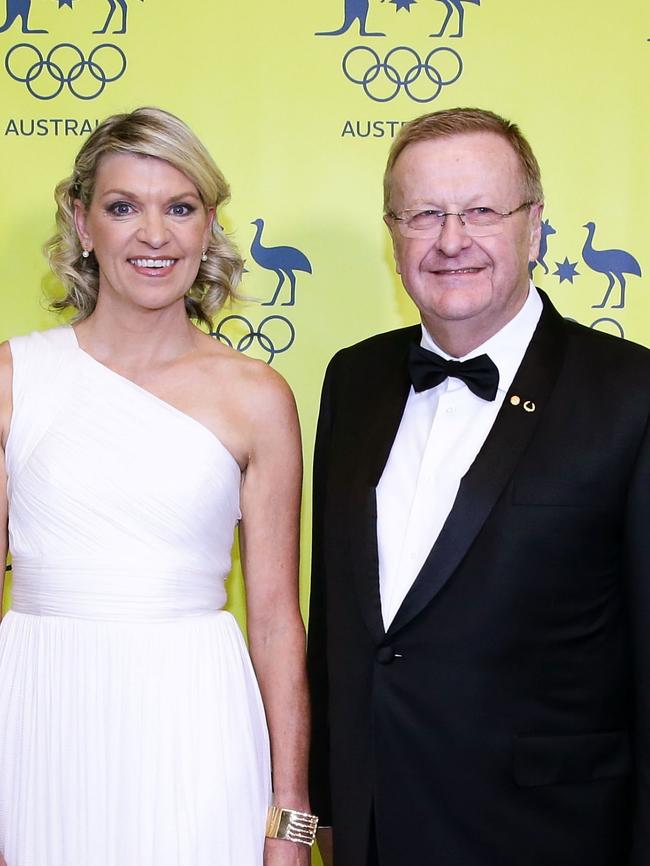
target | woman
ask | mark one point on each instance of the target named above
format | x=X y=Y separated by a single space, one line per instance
x=131 y=726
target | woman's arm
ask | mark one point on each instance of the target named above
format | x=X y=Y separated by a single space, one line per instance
x=3 y=528
x=269 y=540
x=5 y=418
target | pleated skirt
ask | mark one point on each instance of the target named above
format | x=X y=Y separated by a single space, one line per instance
x=130 y=744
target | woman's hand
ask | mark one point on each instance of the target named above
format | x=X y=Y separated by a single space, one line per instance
x=280 y=852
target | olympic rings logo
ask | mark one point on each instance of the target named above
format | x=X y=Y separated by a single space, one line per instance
x=402 y=67
x=65 y=64
x=617 y=328
x=270 y=331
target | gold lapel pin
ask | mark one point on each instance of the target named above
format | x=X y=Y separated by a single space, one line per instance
x=528 y=406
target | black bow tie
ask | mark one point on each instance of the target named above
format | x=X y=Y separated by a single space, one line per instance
x=427 y=370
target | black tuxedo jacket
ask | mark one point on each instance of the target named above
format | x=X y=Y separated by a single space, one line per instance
x=504 y=718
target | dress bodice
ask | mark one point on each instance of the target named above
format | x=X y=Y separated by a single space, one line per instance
x=120 y=505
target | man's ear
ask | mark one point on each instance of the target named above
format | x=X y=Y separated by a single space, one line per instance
x=390 y=226
x=535 y=217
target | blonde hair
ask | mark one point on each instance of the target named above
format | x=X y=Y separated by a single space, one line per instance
x=457 y=121
x=144 y=132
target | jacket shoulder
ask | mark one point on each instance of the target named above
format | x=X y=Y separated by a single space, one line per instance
x=596 y=354
x=606 y=343
x=381 y=348
x=607 y=355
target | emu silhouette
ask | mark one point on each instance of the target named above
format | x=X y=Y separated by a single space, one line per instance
x=613 y=263
x=112 y=7
x=283 y=261
x=19 y=9
x=451 y=7
x=354 y=10
x=547 y=229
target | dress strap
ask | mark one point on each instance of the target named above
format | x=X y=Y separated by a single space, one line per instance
x=38 y=360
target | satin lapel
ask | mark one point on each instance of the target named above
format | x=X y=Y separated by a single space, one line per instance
x=487 y=477
x=383 y=412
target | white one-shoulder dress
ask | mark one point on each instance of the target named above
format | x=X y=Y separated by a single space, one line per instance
x=132 y=731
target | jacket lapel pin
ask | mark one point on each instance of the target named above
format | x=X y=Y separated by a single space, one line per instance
x=528 y=405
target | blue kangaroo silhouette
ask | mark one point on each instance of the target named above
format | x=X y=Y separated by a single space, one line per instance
x=19 y=9
x=613 y=263
x=112 y=7
x=454 y=6
x=354 y=10
x=547 y=229
x=283 y=261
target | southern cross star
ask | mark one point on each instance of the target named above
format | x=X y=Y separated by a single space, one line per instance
x=403 y=4
x=566 y=270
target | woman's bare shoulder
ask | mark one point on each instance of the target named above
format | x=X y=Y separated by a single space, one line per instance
x=251 y=382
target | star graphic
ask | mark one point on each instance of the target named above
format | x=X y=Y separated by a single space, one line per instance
x=403 y=4
x=65 y=3
x=566 y=270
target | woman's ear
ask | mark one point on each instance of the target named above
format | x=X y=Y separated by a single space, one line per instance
x=80 y=222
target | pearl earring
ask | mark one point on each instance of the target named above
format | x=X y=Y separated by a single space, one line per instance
x=204 y=256
x=85 y=254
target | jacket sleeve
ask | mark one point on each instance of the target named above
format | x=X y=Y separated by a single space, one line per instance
x=637 y=548
x=317 y=634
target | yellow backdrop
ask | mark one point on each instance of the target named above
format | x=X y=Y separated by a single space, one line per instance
x=301 y=124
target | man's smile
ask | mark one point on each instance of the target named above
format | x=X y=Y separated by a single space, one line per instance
x=457 y=270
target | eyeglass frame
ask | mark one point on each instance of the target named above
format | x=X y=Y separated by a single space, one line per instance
x=424 y=233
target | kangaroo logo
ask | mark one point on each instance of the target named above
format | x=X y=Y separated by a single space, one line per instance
x=547 y=229
x=357 y=10
x=65 y=67
x=384 y=75
x=19 y=9
x=354 y=10
x=22 y=8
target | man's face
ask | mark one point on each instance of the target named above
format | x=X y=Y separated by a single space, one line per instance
x=465 y=287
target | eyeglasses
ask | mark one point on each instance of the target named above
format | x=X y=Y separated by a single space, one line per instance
x=477 y=221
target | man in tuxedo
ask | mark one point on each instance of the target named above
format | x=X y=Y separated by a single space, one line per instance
x=479 y=642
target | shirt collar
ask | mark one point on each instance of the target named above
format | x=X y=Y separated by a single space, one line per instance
x=508 y=346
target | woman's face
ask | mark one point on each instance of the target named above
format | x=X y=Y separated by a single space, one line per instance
x=148 y=229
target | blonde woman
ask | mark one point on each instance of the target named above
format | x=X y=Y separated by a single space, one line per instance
x=134 y=729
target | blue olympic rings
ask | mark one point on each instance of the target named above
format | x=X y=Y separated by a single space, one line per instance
x=415 y=68
x=77 y=65
x=264 y=340
x=606 y=320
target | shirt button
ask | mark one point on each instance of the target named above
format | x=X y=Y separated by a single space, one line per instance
x=385 y=655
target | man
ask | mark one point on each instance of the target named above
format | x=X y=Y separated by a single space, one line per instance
x=480 y=622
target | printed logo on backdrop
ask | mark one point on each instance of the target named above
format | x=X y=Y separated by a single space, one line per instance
x=385 y=72
x=604 y=267
x=67 y=59
x=278 y=269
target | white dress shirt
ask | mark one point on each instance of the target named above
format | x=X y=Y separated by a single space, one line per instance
x=441 y=432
